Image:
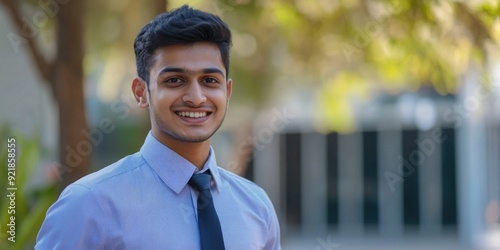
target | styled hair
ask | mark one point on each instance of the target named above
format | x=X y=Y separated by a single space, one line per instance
x=184 y=25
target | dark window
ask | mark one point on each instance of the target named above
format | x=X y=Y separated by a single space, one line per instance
x=370 y=176
x=449 y=177
x=332 y=181
x=409 y=161
x=292 y=178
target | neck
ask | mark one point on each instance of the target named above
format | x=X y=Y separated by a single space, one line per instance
x=194 y=152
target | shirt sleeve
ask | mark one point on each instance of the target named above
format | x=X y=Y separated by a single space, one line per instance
x=273 y=241
x=74 y=221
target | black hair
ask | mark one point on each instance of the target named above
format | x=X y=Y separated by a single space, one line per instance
x=184 y=25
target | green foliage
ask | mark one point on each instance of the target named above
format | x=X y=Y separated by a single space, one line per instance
x=31 y=203
x=394 y=46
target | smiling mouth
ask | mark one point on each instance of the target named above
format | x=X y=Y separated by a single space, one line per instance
x=193 y=114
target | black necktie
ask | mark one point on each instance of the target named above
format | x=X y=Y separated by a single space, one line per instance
x=208 y=221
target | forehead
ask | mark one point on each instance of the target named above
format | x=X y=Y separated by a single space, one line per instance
x=192 y=57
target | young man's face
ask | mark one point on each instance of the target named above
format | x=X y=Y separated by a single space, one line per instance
x=188 y=92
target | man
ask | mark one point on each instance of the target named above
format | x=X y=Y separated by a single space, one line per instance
x=170 y=194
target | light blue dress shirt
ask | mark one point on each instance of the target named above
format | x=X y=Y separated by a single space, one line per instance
x=143 y=201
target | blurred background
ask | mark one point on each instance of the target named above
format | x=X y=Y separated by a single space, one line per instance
x=370 y=124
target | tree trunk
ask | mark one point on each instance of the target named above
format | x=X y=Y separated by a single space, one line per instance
x=74 y=147
x=64 y=76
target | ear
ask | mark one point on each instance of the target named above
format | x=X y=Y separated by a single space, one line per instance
x=139 y=88
x=229 y=86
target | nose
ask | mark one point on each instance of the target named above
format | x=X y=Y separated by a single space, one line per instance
x=194 y=94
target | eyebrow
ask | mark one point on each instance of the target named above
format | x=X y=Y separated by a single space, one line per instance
x=183 y=70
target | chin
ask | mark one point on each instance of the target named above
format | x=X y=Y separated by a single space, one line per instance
x=191 y=138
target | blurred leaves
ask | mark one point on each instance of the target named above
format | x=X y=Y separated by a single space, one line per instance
x=335 y=98
x=31 y=203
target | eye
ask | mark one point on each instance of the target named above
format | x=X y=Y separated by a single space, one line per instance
x=173 y=80
x=211 y=80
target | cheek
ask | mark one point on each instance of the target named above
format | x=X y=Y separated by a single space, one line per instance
x=165 y=98
x=221 y=102
x=219 y=97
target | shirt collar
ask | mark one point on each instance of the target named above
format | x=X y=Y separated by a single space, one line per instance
x=173 y=169
x=211 y=164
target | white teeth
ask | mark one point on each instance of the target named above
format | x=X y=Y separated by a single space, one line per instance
x=192 y=114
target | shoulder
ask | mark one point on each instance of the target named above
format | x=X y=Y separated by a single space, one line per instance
x=111 y=173
x=92 y=193
x=245 y=187
x=237 y=180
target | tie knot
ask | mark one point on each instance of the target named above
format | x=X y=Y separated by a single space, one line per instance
x=201 y=181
